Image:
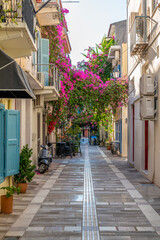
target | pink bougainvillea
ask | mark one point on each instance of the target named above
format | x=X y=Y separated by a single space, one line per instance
x=87 y=93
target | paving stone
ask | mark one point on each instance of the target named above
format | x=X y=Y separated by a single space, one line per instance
x=108 y=229
x=145 y=229
x=126 y=229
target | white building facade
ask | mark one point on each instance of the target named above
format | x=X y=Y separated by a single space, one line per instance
x=144 y=81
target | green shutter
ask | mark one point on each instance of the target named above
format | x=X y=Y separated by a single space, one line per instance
x=12 y=139
x=43 y=58
x=1 y=143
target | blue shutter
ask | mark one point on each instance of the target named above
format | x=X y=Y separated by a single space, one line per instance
x=12 y=138
x=1 y=143
x=119 y=68
x=39 y=51
x=120 y=137
x=43 y=58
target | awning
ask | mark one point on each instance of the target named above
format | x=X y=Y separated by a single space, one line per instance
x=13 y=80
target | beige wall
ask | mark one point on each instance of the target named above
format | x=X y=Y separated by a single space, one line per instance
x=124 y=64
x=35 y=111
x=25 y=108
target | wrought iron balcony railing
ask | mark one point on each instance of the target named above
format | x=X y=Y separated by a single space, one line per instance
x=19 y=11
x=49 y=76
x=140 y=34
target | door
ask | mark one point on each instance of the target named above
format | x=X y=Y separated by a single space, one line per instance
x=1 y=143
x=12 y=142
x=146 y=145
x=133 y=128
x=120 y=135
x=44 y=126
x=38 y=131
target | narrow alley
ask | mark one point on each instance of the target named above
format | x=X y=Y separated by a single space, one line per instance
x=96 y=196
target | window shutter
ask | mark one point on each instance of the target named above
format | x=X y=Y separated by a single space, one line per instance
x=12 y=139
x=1 y=143
x=39 y=51
x=43 y=58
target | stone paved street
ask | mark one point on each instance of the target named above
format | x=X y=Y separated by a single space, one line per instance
x=96 y=196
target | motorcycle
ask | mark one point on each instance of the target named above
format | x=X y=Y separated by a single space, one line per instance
x=45 y=158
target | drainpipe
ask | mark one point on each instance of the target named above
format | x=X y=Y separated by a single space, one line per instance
x=144 y=4
x=144 y=7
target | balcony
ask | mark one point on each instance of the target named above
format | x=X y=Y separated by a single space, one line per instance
x=51 y=80
x=17 y=30
x=141 y=33
x=114 y=55
x=50 y=14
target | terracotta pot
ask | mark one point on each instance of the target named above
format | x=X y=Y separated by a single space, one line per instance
x=6 y=204
x=23 y=187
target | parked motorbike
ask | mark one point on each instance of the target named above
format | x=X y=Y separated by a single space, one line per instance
x=45 y=158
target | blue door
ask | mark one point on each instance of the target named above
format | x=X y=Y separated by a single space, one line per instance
x=1 y=143
x=118 y=133
x=12 y=133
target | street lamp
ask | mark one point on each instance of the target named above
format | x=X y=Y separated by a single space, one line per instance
x=116 y=72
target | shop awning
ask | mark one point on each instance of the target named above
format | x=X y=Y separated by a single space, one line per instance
x=13 y=80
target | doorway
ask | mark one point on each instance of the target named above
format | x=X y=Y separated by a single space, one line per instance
x=146 y=145
x=38 y=131
x=133 y=114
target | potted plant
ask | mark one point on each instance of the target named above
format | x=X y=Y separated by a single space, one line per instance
x=7 y=199
x=26 y=169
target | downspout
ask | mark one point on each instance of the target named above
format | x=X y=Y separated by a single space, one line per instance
x=144 y=8
x=145 y=19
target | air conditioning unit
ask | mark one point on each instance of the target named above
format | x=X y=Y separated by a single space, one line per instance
x=147 y=110
x=40 y=77
x=147 y=85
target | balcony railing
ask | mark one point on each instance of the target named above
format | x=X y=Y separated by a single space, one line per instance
x=51 y=76
x=141 y=32
x=19 y=11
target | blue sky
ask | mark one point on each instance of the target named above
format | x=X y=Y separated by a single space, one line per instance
x=89 y=20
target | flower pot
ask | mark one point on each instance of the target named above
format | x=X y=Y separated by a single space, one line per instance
x=23 y=187
x=6 y=204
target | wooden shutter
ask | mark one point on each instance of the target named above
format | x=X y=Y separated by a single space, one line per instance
x=12 y=139
x=43 y=58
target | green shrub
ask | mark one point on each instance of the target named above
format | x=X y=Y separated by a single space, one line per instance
x=26 y=169
x=11 y=190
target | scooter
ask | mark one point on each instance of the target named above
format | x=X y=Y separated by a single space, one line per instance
x=45 y=158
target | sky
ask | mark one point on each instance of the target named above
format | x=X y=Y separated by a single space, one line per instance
x=89 y=20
